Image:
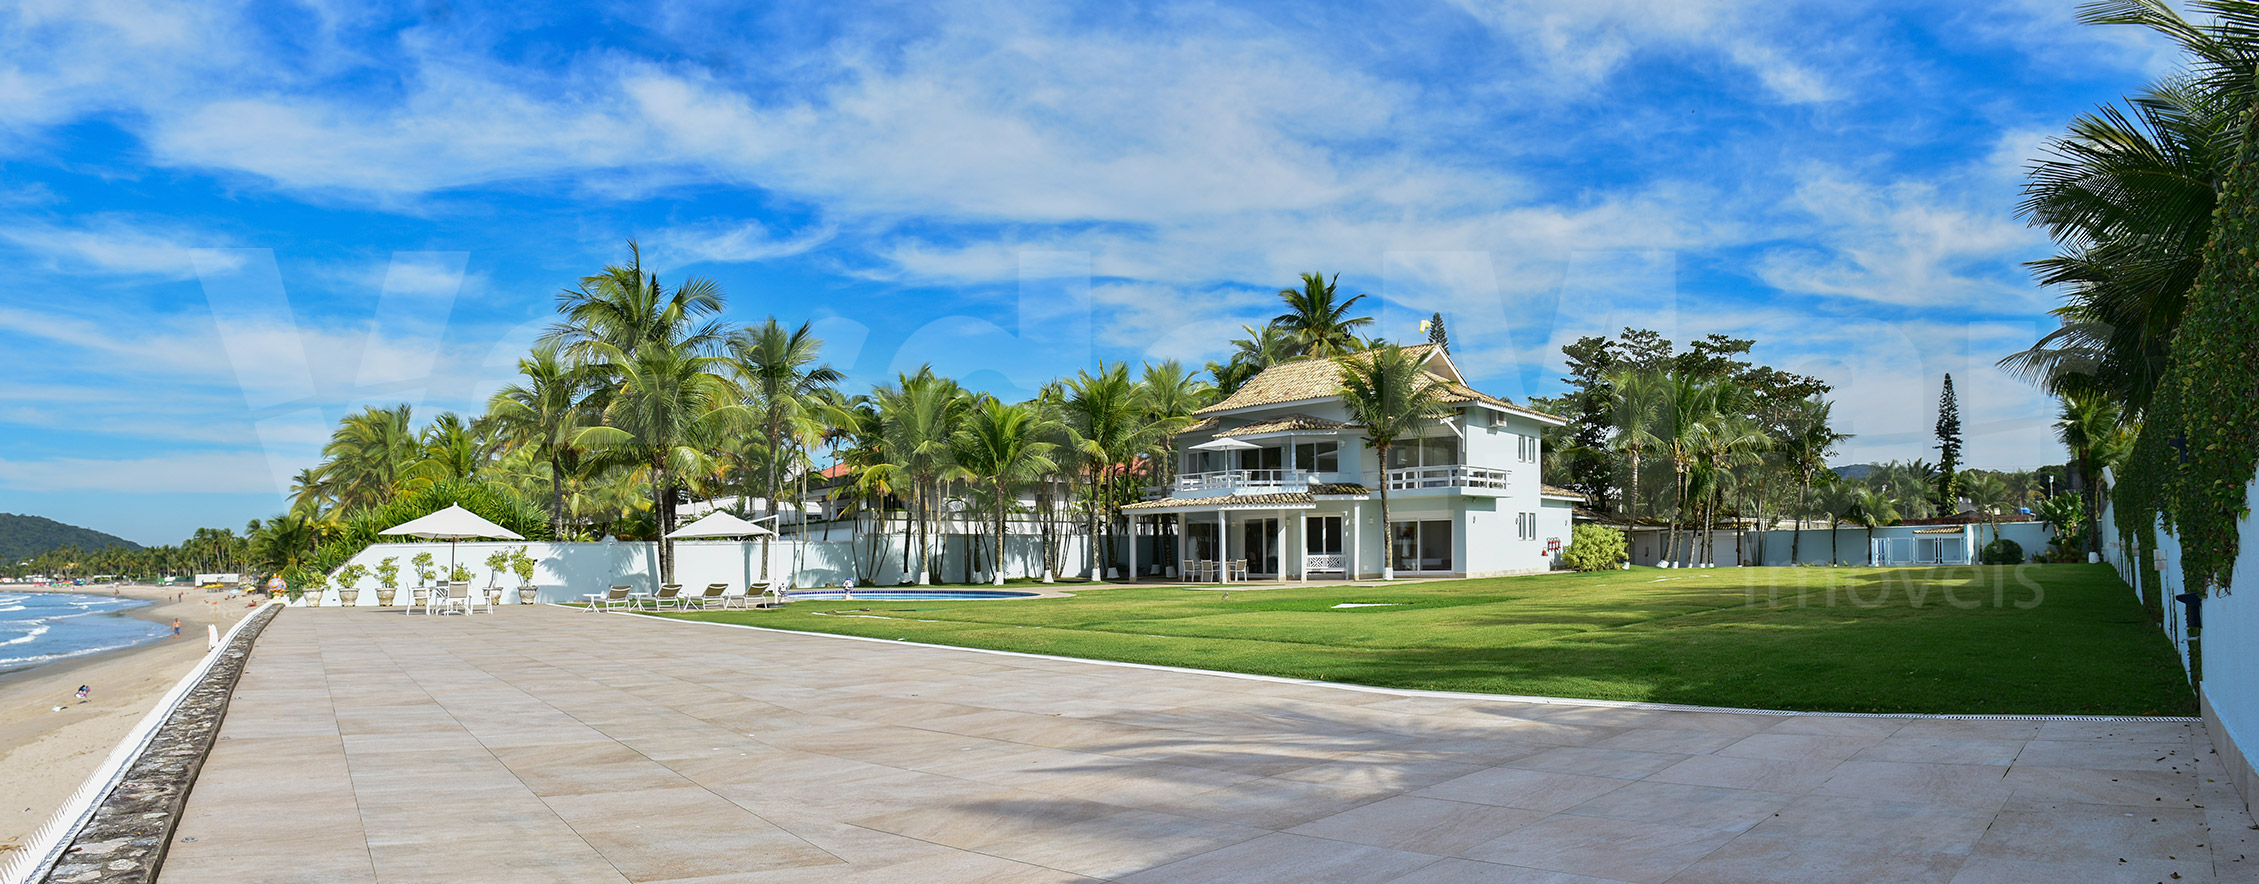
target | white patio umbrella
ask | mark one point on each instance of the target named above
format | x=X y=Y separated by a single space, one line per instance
x=452 y=524
x=1226 y=445
x=721 y=523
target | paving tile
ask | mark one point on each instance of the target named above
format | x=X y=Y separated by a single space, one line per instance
x=1757 y=859
x=1526 y=789
x=1707 y=807
x=541 y=746
x=1287 y=859
x=1626 y=850
x=1425 y=825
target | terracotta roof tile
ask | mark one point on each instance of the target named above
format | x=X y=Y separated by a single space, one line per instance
x=1236 y=501
x=1304 y=380
x=1286 y=424
x=1340 y=489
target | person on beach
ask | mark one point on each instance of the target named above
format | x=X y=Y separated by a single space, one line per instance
x=83 y=690
x=176 y=627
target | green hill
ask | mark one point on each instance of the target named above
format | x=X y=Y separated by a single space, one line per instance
x=22 y=536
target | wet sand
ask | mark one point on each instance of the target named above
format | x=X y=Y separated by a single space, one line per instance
x=45 y=754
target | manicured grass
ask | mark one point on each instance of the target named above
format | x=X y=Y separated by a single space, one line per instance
x=2061 y=639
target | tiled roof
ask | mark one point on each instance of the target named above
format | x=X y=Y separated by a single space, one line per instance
x=1288 y=423
x=1232 y=501
x=1558 y=491
x=1340 y=489
x=1303 y=380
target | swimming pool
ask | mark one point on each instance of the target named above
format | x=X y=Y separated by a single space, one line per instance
x=906 y=595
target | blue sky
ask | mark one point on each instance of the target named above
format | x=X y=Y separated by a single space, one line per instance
x=231 y=223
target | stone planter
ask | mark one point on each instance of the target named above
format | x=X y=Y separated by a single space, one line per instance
x=310 y=599
x=528 y=595
x=385 y=596
x=494 y=596
x=346 y=597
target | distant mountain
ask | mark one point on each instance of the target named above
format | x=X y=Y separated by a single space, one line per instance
x=22 y=536
x=1856 y=471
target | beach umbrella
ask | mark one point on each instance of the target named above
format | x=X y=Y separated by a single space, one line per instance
x=720 y=523
x=452 y=524
x=1226 y=445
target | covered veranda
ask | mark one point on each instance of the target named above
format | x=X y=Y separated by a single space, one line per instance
x=1237 y=538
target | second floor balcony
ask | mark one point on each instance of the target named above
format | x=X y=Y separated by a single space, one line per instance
x=1260 y=481
x=1447 y=476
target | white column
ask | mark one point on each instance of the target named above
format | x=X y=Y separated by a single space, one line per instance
x=1281 y=532
x=1356 y=538
x=1223 y=546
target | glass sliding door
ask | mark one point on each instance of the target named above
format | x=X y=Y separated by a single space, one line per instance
x=1259 y=546
x=1422 y=546
x=1321 y=546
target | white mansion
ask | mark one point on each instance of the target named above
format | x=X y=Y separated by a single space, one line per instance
x=1276 y=478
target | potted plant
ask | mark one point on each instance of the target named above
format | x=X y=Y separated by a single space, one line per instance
x=310 y=595
x=523 y=565
x=460 y=573
x=388 y=580
x=424 y=572
x=496 y=565
x=349 y=584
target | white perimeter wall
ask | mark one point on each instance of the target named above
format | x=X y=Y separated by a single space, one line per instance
x=566 y=571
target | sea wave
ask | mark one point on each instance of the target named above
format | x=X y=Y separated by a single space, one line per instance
x=9 y=663
x=35 y=632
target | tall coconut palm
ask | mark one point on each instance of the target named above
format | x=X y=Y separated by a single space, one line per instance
x=1319 y=325
x=540 y=414
x=1260 y=349
x=1002 y=446
x=368 y=456
x=1105 y=416
x=453 y=449
x=918 y=418
x=1636 y=399
x=1689 y=406
x=666 y=408
x=2092 y=426
x=1170 y=395
x=625 y=308
x=1391 y=397
x=784 y=381
x=2128 y=194
x=1807 y=441
x=1734 y=441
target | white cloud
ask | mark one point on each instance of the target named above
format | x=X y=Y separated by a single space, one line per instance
x=110 y=244
x=1575 y=46
x=238 y=472
x=1906 y=243
x=743 y=241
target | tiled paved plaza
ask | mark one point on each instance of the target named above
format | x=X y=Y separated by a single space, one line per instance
x=543 y=745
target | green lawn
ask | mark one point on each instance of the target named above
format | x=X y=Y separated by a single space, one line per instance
x=1941 y=640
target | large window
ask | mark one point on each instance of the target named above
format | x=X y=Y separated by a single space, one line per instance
x=1318 y=457
x=1433 y=451
x=1422 y=546
x=1526 y=448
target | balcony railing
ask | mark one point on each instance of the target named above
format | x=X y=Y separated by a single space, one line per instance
x=1447 y=476
x=1285 y=481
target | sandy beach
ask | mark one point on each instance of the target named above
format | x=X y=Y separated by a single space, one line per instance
x=45 y=754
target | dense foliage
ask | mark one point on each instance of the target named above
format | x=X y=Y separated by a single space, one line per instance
x=1595 y=548
x=2001 y=552
x=22 y=537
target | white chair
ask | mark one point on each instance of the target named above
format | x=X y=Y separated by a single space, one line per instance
x=456 y=594
x=471 y=598
x=669 y=596
x=713 y=595
x=616 y=597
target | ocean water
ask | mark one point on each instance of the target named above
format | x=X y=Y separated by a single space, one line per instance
x=38 y=627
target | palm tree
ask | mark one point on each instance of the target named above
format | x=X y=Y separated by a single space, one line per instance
x=1689 y=406
x=918 y=418
x=1002 y=445
x=368 y=456
x=1870 y=509
x=2129 y=193
x=1319 y=326
x=1805 y=446
x=626 y=308
x=1389 y=394
x=453 y=449
x=666 y=409
x=1104 y=414
x=1988 y=492
x=1635 y=398
x=1733 y=441
x=1170 y=395
x=784 y=382
x=2093 y=427
x=541 y=414
x=1262 y=348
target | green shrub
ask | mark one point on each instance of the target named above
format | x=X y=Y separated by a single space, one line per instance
x=359 y=529
x=2001 y=552
x=1594 y=548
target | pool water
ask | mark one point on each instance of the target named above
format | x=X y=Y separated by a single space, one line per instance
x=906 y=595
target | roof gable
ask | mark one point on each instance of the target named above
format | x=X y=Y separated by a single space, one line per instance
x=1314 y=378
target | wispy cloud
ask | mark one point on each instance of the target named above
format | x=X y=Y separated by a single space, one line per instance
x=109 y=244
